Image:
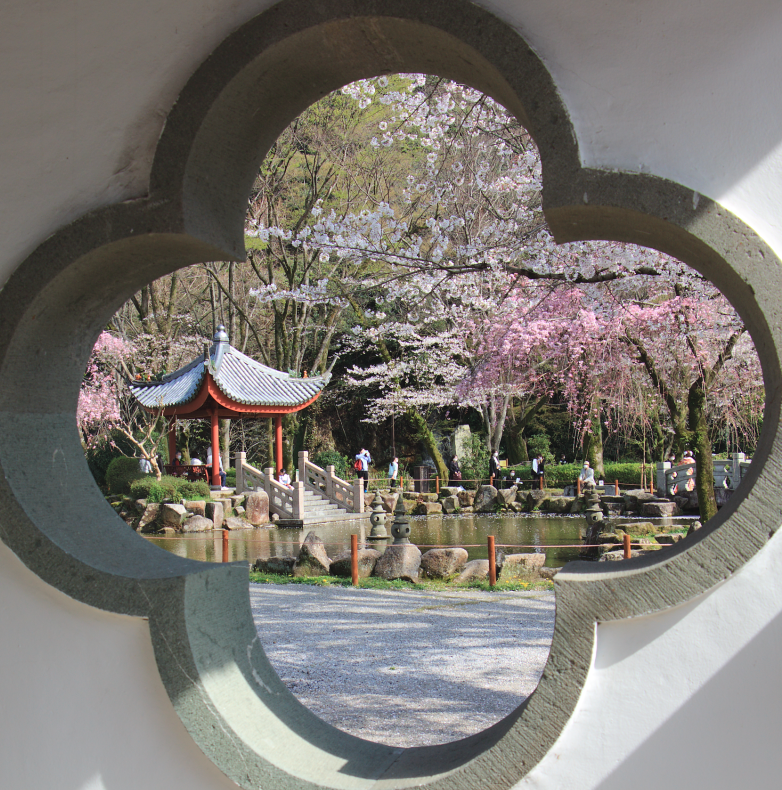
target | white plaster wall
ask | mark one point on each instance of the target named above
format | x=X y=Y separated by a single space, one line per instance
x=687 y=89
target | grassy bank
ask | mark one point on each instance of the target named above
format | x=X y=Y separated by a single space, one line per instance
x=374 y=583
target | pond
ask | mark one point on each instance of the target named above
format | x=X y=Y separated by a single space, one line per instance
x=558 y=536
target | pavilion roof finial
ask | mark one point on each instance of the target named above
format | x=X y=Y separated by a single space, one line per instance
x=221 y=336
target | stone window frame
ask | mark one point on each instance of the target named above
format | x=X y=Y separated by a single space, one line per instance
x=54 y=306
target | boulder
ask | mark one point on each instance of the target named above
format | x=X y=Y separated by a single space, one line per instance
x=474 y=570
x=557 y=504
x=389 y=502
x=197 y=524
x=693 y=527
x=577 y=505
x=214 y=510
x=415 y=496
x=613 y=508
x=466 y=498
x=451 y=504
x=280 y=565
x=468 y=509
x=257 y=508
x=635 y=498
x=140 y=505
x=506 y=495
x=232 y=522
x=485 y=499
x=172 y=517
x=313 y=559
x=536 y=498
x=367 y=559
x=522 y=566
x=547 y=573
x=446 y=491
x=637 y=528
x=240 y=511
x=197 y=507
x=399 y=561
x=660 y=509
x=237 y=499
x=148 y=517
x=516 y=507
x=442 y=563
x=427 y=508
x=616 y=555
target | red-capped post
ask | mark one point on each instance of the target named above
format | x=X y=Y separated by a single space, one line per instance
x=354 y=559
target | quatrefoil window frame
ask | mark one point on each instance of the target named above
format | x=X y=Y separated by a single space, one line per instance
x=206 y=646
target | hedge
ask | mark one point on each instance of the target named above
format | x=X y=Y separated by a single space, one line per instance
x=169 y=488
x=559 y=476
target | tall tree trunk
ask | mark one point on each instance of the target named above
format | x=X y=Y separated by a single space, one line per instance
x=593 y=441
x=424 y=433
x=515 y=440
x=699 y=435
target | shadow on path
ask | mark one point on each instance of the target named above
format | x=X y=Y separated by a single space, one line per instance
x=405 y=668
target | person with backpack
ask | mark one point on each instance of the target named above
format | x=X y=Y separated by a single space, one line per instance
x=363 y=460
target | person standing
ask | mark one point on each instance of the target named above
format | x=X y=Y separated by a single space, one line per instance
x=455 y=471
x=535 y=471
x=363 y=460
x=494 y=468
x=393 y=471
x=541 y=469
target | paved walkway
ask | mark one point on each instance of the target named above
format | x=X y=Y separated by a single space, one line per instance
x=406 y=668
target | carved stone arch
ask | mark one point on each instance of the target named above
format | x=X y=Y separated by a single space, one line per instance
x=54 y=306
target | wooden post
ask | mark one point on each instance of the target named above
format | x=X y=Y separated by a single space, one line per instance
x=278 y=445
x=540 y=482
x=216 y=480
x=437 y=485
x=171 y=439
x=492 y=562
x=354 y=559
x=616 y=488
x=628 y=550
x=578 y=486
x=225 y=545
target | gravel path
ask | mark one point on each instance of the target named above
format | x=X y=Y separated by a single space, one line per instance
x=406 y=668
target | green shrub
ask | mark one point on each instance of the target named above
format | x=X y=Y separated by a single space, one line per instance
x=168 y=487
x=121 y=472
x=332 y=457
x=100 y=455
x=230 y=477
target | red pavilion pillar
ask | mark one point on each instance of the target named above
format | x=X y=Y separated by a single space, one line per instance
x=278 y=444
x=215 y=448
x=171 y=439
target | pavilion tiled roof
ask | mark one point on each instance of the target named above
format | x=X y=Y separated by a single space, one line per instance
x=239 y=377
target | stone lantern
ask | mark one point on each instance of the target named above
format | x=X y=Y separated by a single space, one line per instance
x=400 y=529
x=378 y=520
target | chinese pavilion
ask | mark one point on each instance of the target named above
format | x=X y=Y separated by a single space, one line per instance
x=226 y=383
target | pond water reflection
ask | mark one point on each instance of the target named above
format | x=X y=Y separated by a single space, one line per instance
x=558 y=536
